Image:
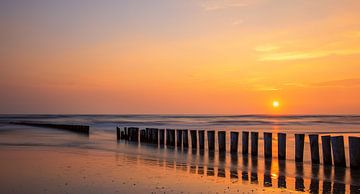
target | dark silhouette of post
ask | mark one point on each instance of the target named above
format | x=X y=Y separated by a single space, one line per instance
x=118 y=135
x=282 y=146
x=267 y=145
x=201 y=139
x=211 y=140
x=245 y=143
x=179 y=138
x=326 y=147
x=193 y=139
x=234 y=142
x=354 y=150
x=142 y=135
x=185 y=139
x=155 y=135
x=170 y=137
x=254 y=143
x=299 y=147
x=222 y=141
x=162 y=136
x=314 y=148
x=337 y=144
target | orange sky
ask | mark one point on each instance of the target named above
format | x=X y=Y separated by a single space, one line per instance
x=200 y=56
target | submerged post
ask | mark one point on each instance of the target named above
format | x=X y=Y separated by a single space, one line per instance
x=201 y=139
x=299 y=147
x=314 y=148
x=326 y=147
x=185 y=138
x=254 y=143
x=234 y=142
x=282 y=146
x=179 y=138
x=245 y=142
x=162 y=136
x=267 y=145
x=354 y=150
x=222 y=141
x=337 y=144
x=118 y=135
x=211 y=140
x=193 y=139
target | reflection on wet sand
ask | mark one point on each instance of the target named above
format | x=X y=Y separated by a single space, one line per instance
x=266 y=173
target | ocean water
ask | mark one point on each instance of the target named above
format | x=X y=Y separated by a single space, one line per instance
x=258 y=172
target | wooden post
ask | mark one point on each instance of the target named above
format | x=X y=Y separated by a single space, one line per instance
x=118 y=136
x=267 y=145
x=354 y=149
x=142 y=135
x=193 y=139
x=314 y=148
x=211 y=140
x=254 y=143
x=245 y=142
x=201 y=139
x=162 y=136
x=170 y=137
x=126 y=136
x=299 y=147
x=282 y=146
x=155 y=136
x=326 y=147
x=185 y=138
x=179 y=138
x=234 y=142
x=222 y=141
x=337 y=144
x=147 y=135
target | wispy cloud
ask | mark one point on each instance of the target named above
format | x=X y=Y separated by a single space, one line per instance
x=339 y=83
x=302 y=55
x=213 y=5
x=266 y=48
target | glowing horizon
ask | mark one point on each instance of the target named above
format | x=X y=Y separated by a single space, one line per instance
x=177 y=57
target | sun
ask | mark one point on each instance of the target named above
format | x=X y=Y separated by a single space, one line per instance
x=275 y=104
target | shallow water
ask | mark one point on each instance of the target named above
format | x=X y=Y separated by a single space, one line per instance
x=204 y=168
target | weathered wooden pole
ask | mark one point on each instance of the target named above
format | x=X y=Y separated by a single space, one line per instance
x=211 y=140
x=185 y=138
x=147 y=135
x=254 y=143
x=126 y=136
x=155 y=136
x=326 y=147
x=337 y=144
x=299 y=147
x=201 y=139
x=282 y=146
x=234 y=142
x=267 y=145
x=245 y=142
x=222 y=141
x=354 y=150
x=118 y=135
x=142 y=135
x=179 y=138
x=193 y=139
x=314 y=148
x=162 y=136
x=170 y=137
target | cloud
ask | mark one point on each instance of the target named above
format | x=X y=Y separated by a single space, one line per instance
x=266 y=48
x=339 y=83
x=303 y=55
x=214 y=5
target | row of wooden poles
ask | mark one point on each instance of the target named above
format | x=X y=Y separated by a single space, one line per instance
x=335 y=143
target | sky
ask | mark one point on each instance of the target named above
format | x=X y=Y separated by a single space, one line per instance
x=180 y=56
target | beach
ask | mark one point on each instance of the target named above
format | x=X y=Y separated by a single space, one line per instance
x=43 y=160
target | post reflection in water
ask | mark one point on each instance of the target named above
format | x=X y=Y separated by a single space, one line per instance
x=301 y=177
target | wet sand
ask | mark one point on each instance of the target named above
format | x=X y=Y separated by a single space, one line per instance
x=40 y=160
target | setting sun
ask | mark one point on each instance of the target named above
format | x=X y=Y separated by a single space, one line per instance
x=275 y=104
